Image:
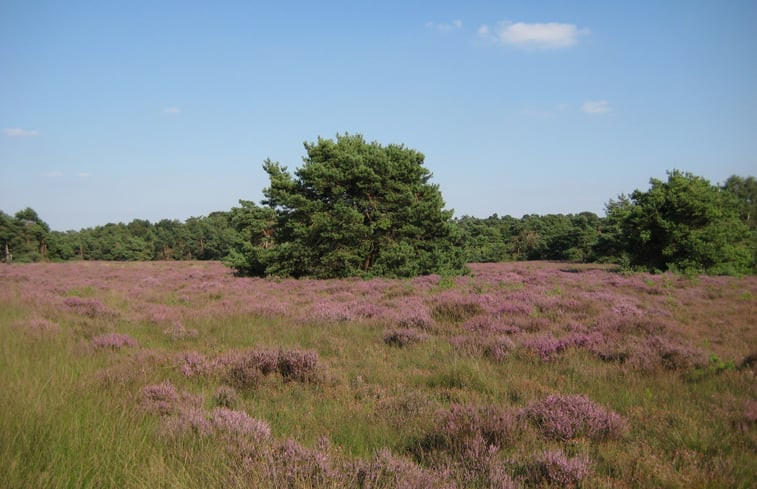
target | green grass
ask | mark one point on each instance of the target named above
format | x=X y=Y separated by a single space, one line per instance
x=71 y=416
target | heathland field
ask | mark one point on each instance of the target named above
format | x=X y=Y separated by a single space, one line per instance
x=179 y=374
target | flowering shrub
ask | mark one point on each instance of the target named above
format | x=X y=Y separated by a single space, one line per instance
x=461 y=424
x=385 y=470
x=38 y=324
x=289 y=464
x=239 y=424
x=298 y=365
x=564 y=417
x=89 y=307
x=403 y=337
x=226 y=396
x=177 y=331
x=556 y=468
x=114 y=341
x=547 y=347
x=162 y=398
x=194 y=363
x=454 y=306
x=495 y=348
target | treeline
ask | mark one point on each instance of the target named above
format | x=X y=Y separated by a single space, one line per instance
x=27 y=238
x=683 y=224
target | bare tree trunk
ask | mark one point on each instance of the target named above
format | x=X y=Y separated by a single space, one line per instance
x=8 y=256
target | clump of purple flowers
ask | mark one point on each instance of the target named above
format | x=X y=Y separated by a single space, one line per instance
x=495 y=348
x=547 y=347
x=564 y=417
x=403 y=336
x=461 y=424
x=290 y=464
x=557 y=468
x=196 y=364
x=485 y=324
x=226 y=396
x=297 y=365
x=113 y=341
x=239 y=424
x=387 y=470
x=161 y=398
x=89 y=307
x=178 y=331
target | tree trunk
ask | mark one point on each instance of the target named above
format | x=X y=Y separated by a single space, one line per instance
x=8 y=256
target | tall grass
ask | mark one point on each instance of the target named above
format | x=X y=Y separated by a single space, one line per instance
x=652 y=366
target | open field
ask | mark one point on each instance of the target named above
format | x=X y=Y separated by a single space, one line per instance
x=178 y=374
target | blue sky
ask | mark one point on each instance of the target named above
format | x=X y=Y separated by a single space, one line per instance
x=111 y=111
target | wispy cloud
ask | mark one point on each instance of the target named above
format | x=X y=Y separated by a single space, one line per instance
x=549 y=35
x=84 y=174
x=53 y=174
x=596 y=107
x=19 y=133
x=445 y=27
x=171 y=111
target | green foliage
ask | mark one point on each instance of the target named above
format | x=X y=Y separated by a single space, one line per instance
x=549 y=237
x=353 y=209
x=685 y=224
x=358 y=208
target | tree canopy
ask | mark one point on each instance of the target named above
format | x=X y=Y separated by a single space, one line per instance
x=353 y=208
x=685 y=224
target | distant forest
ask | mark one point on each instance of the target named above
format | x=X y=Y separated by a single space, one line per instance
x=685 y=224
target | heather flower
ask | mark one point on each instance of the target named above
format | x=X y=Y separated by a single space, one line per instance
x=403 y=336
x=298 y=365
x=187 y=420
x=453 y=306
x=410 y=312
x=486 y=324
x=674 y=356
x=114 y=341
x=547 y=347
x=495 y=348
x=461 y=424
x=89 y=307
x=564 y=417
x=556 y=468
x=239 y=424
x=498 y=348
x=162 y=398
x=244 y=375
x=194 y=364
x=226 y=396
x=38 y=324
x=386 y=470
x=290 y=464
x=329 y=311
x=178 y=331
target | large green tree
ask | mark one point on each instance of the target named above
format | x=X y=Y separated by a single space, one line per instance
x=684 y=223
x=354 y=208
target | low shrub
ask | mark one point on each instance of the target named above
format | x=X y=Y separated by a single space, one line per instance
x=554 y=467
x=113 y=341
x=564 y=417
x=403 y=337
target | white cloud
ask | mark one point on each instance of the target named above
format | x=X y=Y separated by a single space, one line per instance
x=19 y=133
x=53 y=174
x=171 y=110
x=446 y=27
x=550 y=35
x=596 y=107
x=84 y=174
